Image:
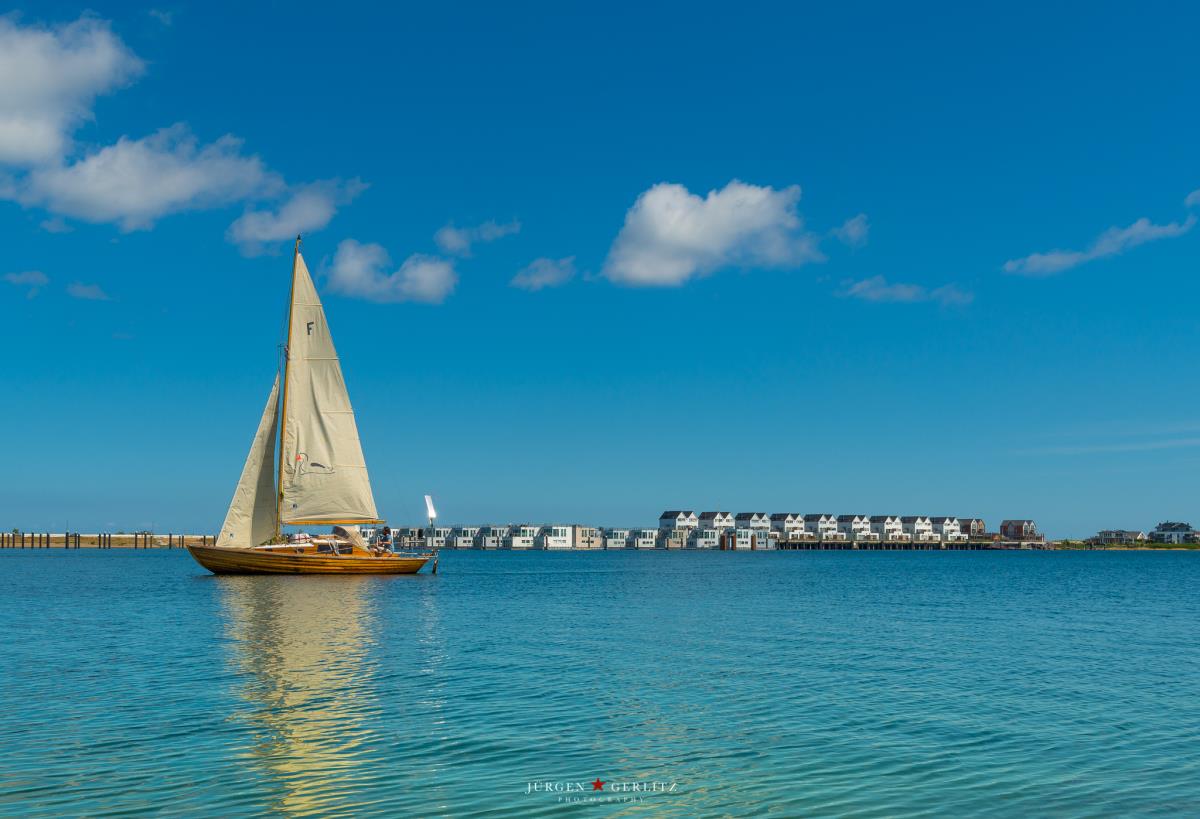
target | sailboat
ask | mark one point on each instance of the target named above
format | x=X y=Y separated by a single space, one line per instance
x=319 y=477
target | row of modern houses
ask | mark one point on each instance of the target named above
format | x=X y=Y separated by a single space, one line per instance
x=684 y=529
x=789 y=527
x=1169 y=531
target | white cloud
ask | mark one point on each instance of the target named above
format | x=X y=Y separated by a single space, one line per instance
x=308 y=208
x=34 y=280
x=359 y=270
x=1192 y=199
x=544 y=272
x=137 y=181
x=877 y=289
x=458 y=241
x=1111 y=242
x=90 y=292
x=853 y=232
x=671 y=235
x=48 y=80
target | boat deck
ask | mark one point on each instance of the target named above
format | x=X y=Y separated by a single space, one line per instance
x=304 y=559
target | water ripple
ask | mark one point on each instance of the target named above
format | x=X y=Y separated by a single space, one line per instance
x=804 y=684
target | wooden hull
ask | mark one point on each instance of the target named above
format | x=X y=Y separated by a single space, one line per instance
x=254 y=561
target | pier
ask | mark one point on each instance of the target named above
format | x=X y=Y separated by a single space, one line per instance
x=18 y=539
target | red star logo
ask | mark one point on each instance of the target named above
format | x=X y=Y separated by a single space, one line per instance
x=598 y=785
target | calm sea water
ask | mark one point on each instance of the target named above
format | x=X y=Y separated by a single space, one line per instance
x=795 y=684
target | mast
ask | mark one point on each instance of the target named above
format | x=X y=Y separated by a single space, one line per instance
x=287 y=342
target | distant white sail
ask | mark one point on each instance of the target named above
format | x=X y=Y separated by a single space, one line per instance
x=250 y=520
x=323 y=474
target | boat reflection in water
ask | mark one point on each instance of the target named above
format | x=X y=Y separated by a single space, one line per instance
x=302 y=647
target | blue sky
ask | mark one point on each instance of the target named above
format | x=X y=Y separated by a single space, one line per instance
x=584 y=263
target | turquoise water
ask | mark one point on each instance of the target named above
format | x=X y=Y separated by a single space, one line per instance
x=795 y=684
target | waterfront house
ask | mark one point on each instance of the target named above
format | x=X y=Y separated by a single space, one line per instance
x=1019 y=530
x=822 y=527
x=618 y=538
x=855 y=528
x=674 y=538
x=465 y=537
x=412 y=537
x=555 y=536
x=678 y=520
x=705 y=539
x=492 y=537
x=919 y=528
x=889 y=528
x=588 y=537
x=522 y=537
x=645 y=538
x=947 y=529
x=758 y=521
x=716 y=520
x=742 y=537
x=973 y=528
x=1118 y=537
x=787 y=524
x=1171 y=531
x=439 y=536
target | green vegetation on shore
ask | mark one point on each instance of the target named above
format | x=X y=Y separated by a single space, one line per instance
x=1143 y=546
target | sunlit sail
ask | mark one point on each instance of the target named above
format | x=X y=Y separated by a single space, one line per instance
x=320 y=475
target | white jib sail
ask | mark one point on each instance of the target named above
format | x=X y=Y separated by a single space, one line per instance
x=323 y=474
x=250 y=520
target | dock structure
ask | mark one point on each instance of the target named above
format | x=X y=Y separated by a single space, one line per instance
x=19 y=539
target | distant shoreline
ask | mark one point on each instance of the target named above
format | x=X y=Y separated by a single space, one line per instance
x=155 y=542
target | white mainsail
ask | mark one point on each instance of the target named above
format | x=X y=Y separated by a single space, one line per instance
x=250 y=520
x=323 y=477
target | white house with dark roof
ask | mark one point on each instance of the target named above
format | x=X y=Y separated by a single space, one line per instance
x=946 y=528
x=673 y=519
x=715 y=520
x=758 y=521
x=889 y=528
x=822 y=527
x=856 y=528
x=919 y=528
x=618 y=538
x=1172 y=531
x=787 y=524
x=704 y=539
